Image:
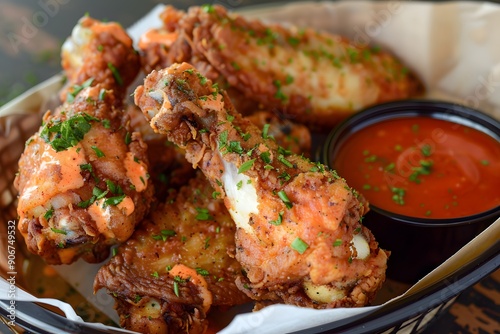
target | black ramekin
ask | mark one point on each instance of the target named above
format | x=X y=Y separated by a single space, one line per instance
x=417 y=245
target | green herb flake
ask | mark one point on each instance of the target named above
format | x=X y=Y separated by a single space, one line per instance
x=390 y=167
x=371 y=158
x=202 y=272
x=164 y=235
x=97 y=151
x=265 y=131
x=485 y=162
x=337 y=242
x=66 y=134
x=426 y=150
x=203 y=214
x=49 y=213
x=278 y=221
x=114 y=200
x=284 y=161
x=246 y=166
x=176 y=288
x=155 y=274
x=128 y=138
x=398 y=195
x=102 y=96
x=282 y=195
x=116 y=74
x=266 y=157
x=299 y=245
x=56 y=230
x=239 y=185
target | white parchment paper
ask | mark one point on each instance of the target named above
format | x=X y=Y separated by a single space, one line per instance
x=454 y=49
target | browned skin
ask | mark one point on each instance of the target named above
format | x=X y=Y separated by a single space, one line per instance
x=105 y=54
x=141 y=255
x=168 y=167
x=140 y=275
x=60 y=216
x=325 y=213
x=312 y=77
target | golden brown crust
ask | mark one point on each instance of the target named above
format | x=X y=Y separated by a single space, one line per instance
x=299 y=224
x=102 y=51
x=200 y=233
x=310 y=77
x=82 y=180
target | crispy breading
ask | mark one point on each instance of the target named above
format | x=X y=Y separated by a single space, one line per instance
x=311 y=77
x=82 y=180
x=299 y=234
x=177 y=265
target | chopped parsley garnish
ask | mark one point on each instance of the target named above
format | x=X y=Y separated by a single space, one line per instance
x=423 y=169
x=265 y=131
x=246 y=166
x=116 y=74
x=49 y=214
x=337 y=242
x=284 y=161
x=155 y=274
x=426 y=150
x=266 y=157
x=97 y=151
x=278 y=221
x=223 y=140
x=56 y=230
x=235 y=147
x=70 y=97
x=398 y=195
x=176 y=288
x=102 y=96
x=114 y=188
x=114 y=200
x=66 y=134
x=128 y=138
x=299 y=245
x=282 y=195
x=164 y=235
x=202 y=272
x=203 y=214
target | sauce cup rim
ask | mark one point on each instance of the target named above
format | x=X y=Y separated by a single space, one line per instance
x=447 y=111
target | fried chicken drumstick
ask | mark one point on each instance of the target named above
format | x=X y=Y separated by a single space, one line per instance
x=313 y=77
x=299 y=234
x=82 y=179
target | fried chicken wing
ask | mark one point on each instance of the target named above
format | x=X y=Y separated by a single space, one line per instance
x=82 y=179
x=176 y=266
x=311 y=77
x=102 y=51
x=299 y=234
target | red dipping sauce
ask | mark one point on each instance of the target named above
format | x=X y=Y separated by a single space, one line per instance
x=422 y=167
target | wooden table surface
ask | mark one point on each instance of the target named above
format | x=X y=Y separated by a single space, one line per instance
x=22 y=65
